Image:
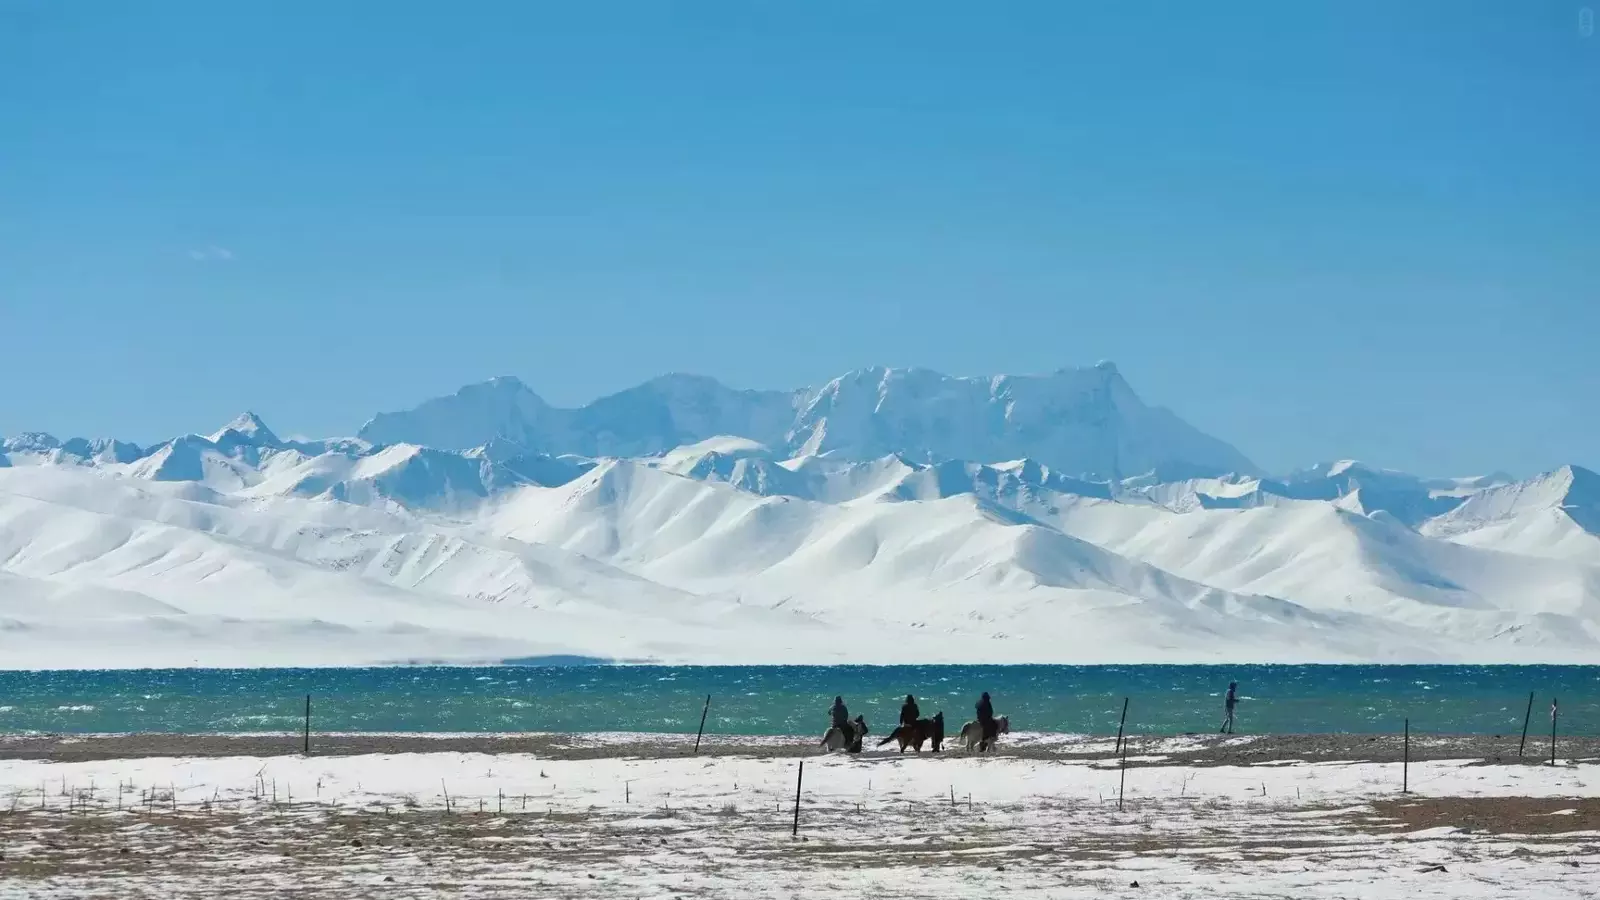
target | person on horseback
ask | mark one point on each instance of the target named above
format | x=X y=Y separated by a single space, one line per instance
x=909 y=714
x=841 y=716
x=991 y=728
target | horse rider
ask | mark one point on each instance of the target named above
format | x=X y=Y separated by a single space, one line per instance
x=991 y=728
x=841 y=717
x=909 y=714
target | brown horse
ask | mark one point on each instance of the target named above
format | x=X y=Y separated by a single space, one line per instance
x=921 y=732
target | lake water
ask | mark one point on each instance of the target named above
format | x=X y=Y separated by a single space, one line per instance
x=795 y=699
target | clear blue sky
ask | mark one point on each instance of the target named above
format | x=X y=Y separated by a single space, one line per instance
x=1317 y=230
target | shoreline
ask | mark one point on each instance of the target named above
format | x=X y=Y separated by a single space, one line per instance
x=583 y=661
x=513 y=825
x=1142 y=750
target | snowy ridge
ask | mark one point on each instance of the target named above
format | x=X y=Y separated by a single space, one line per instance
x=1556 y=514
x=654 y=417
x=836 y=525
x=1087 y=422
x=1083 y=422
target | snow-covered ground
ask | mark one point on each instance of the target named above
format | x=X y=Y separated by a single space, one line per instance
x=517 y=825
x=852 y=536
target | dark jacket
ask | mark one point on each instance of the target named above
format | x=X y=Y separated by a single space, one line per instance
x=985 y=711
x=909 y=714
x=841 y=716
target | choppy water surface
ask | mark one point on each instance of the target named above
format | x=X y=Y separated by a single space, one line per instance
x=795 y=699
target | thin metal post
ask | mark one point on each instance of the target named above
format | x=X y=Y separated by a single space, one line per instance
x=1405 y=766
x=308 y=725
x=1122 y=723
x=800 y=779
x=1525 y=718
x=697 y=734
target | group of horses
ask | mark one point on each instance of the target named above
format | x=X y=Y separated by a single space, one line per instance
x=922 y=731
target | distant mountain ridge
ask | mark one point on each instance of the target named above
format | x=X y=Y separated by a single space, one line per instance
x=889 y=516
x=653 y=417
x=1084 y=422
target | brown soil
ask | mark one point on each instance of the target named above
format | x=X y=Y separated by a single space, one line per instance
x=1496 y=815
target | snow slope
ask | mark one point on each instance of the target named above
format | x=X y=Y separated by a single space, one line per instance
x=838 y=526
x=1329 y=559
x=1556 y=515
x=100 y=570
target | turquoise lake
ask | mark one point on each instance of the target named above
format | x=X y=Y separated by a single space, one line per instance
x=795 y=699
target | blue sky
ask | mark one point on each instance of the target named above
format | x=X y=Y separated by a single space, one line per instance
x=1316 y=230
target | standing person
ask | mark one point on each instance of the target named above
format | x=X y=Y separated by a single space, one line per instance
x=909 y=714
x=986 y=722
x=1229 y=704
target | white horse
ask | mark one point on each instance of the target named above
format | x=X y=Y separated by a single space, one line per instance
x=972 y=733
x=835 y=739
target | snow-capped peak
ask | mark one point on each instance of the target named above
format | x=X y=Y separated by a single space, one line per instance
x=1084 y=422
x=1571 y=489
x=246 y=425
x=502 y=407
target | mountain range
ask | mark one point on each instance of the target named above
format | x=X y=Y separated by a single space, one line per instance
x=1087 y=421
x=890 y=515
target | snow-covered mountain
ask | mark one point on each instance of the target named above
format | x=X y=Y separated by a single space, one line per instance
x=1556 y=514
x=656 y=416
x=1349 y=484
x=889 y=516
x=1083 y=422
